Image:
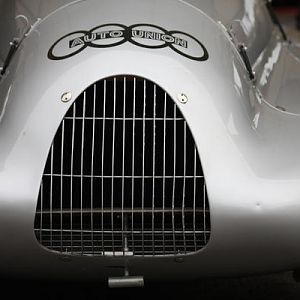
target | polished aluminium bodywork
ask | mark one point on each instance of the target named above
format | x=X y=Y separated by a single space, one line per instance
x=246 y=130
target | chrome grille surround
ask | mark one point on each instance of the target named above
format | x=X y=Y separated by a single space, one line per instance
x=123 y=176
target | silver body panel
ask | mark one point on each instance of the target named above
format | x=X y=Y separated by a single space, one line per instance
x=249 y=148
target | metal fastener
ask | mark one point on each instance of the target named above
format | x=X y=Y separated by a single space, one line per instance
x=182 y=98
x=66 y=97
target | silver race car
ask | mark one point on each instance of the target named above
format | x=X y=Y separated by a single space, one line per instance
x=147 y=140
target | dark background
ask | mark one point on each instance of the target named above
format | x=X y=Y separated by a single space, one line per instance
x=266 y=287
x=286 y=2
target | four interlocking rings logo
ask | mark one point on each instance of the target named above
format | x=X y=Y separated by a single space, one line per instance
x=142 y=35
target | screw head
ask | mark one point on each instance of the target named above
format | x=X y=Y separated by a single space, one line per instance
x=182 y=98
x=66 y=97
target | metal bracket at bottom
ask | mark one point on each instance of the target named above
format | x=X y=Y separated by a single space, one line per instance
x=126 y=282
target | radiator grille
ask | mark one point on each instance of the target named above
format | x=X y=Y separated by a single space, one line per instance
x=123 y=176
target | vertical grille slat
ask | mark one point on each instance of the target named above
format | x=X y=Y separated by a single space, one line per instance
x=143 y=163
x=204 y=215
x=124 y=238
x=61 y=184
x=123 y=176
x=92 y=166
x=183 y=189
x=164 y=170
x=133 y=165
x=174 y=176
x=41 y=197
x=113 y=165
x=153 y=169
x=72 y=165
x=102 y=166
x=194 y=197
x=51 y=195
x=81 y=169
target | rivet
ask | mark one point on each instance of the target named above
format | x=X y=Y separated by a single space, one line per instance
x=182 y=98
x=66 y=97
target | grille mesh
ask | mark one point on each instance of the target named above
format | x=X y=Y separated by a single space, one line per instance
x=123 y=176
